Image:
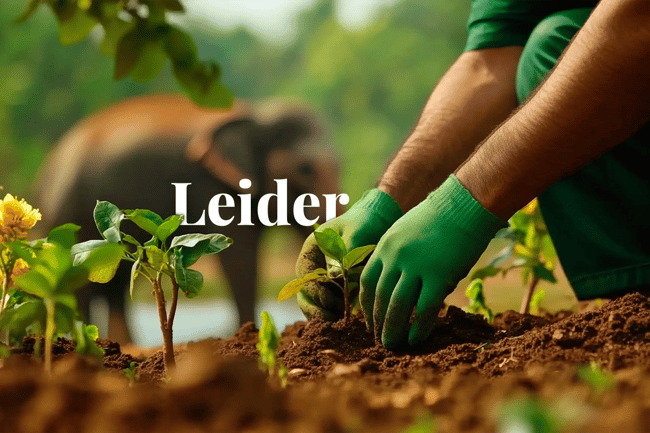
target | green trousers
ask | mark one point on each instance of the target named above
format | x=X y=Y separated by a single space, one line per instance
x=598 y=218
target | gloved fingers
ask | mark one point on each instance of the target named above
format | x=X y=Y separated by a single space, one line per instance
x=326 y=296
x=432 y=297
x=369 y=278
x=402 y=302
x=310 y=257
x=383 y=293
x=312 y=310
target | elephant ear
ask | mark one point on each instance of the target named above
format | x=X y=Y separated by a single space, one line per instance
x=228 y=153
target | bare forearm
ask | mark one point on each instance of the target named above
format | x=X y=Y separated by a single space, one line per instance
x=597 y=96
x=474 y=96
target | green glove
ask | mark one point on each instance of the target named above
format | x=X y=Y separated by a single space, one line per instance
x=364 y=223
x=420 y=260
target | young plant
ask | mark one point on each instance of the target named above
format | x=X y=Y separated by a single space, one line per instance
x=44 y=296
x=477 y=305
x=530 y=250
x=131 y=374
x=267 y=346
x=153 y=259
x=341 y=265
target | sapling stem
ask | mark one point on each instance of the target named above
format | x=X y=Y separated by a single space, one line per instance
x=168 y=344
x=525 y=303
x=346 y=297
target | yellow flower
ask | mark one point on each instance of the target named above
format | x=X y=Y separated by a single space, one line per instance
x=20 y=267
x=16 y=218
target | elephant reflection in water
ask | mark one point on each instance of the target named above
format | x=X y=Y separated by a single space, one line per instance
x=133 y=152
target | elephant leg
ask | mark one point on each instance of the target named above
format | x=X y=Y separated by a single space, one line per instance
x=239 y=263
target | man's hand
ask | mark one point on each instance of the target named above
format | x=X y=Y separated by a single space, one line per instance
x=363 y=224
x=419 y=261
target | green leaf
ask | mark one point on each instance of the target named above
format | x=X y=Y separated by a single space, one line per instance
x=102 y=263
x=357 y=256
x=201 y=83
x=75 y=278
x=64 y=318
x=86 y=336
x=114 y=31
x=23 y=251
x=540 y=272
x=145 y=219
x=293 y=287
x=150 y=62
x=108 y=218
x=179 y=47
x=188 y=280
x=67 y=299
x=31 y=8
x=76 y=28
x=35 y=284
x=81 y=251
x=64 y=235
x=167 y=227
x=485 y=272
x=21 y=317
x=127 y=53
x=536 y=300
x=193 y=246
x=155 y=256
x=331 y=244
x=130 y=239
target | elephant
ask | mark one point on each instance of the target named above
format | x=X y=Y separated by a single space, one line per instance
x=133 y=152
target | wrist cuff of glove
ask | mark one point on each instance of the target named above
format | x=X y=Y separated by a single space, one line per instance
x=453 y=197
x=380 y=204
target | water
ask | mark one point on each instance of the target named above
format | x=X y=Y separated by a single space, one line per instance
x=198 y=320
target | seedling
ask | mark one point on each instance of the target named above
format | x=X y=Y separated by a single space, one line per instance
x=536 y=301
x=477 y=305
x=530 y=250
x=341 y=265
x=597 y=377
x=131 y=374
x=44 y=296
x=153 y=259
x=267 y=345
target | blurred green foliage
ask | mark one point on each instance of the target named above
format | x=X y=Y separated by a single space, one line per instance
x=370 y=84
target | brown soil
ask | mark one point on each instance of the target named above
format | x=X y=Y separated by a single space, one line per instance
x=341 y=380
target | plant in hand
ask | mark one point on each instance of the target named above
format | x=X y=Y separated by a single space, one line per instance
x=530 y=250
x=43 y=297
x=154 y=259
x=267 y=346
x=341 y=265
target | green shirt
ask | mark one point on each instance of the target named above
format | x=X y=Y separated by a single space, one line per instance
x=502 y=23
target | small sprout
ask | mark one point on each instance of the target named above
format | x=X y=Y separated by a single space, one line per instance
x=268 y=342
x=536 y=301
x=477 y=304
x=153 y=260
x=131 y=374
x=341 y=264
x=531 y=250
x=598 y=378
